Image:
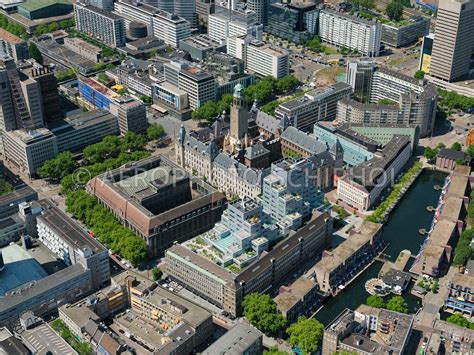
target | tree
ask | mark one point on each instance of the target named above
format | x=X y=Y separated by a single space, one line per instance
x=206 y=112
x=35 y=53
x=420 y=74
x=456 y=146
x=155 y=131
x=430 y=153
x=5 y=187
x=224 y=103
x=103 y=77
x=261 y=311
x=286 y=83
x=375 y=301
x=458 y=319
x=306 y=334
x=274 y=351
x=397 y=304
x=146 y=99
x=394 y=10
x=156 y=273
x=132 y=142
x=122 y=91
x=470 y=151
x=57 y=168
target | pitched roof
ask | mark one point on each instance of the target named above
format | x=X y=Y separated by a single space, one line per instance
x=452 y=154
x=304 y=140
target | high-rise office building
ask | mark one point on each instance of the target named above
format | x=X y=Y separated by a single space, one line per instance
x=170 y=28
x=454 y=40
x=260 y=7
x=101 y=24
x=204 y=8
x=295 y=22
x=17 y=100
x=47 y=85
x=187 y=10
x=163 y=5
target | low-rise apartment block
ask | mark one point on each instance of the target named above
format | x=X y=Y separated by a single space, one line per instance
x=159 y=201
x=436 y=251
x=460 y=296
x=339 y=266
x=368 y=330
x=298 y=299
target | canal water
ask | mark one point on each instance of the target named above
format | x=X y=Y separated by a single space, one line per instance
x=401 y=231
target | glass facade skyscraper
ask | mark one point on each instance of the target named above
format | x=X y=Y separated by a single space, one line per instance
x=293 y=22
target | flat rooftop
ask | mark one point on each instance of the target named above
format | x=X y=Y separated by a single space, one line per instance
x=31 y=290
x=235 y=341
x=291 y=295
x=463 y=279
x=21 y=194
x=46 y=341
x=20 y=268
x=267 y=48
x=201 y=42
x=452 y=208
x=10 y=38
x=442 y=232
x=31 y=137
x=67 y=228
x=354 y=242
x=367 y=173
x=458 y=185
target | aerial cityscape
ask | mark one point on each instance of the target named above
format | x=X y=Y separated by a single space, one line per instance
x=236 y=177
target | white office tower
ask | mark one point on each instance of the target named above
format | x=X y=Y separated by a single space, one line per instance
x=130 y=11
x=101 y=24
x=265 y=60
x=344 y=30
x=454 y=40
x=187 y=10
x=225 y=23
x=170 y=28
x=165 y=5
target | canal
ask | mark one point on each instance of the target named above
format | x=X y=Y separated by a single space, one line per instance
x=401 y=231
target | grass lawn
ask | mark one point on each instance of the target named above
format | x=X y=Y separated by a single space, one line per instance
x=327 y=76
